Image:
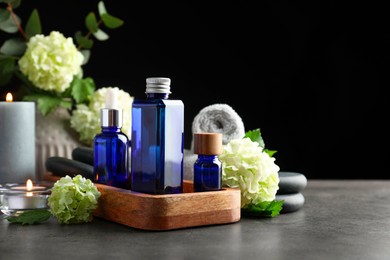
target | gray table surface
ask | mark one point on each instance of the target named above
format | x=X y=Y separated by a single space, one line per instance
x=339 y=220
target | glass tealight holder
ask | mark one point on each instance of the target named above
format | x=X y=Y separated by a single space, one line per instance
x=16 y=198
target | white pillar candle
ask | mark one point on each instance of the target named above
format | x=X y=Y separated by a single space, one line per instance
x=17 y=141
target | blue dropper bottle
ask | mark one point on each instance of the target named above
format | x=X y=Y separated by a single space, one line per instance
x=111 y=146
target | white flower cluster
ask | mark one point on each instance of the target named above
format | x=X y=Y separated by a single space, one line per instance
x=51 y=62
x=72 y=200
x=86 y=119
x=246 y=166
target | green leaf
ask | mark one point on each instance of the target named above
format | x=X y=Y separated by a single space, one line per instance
x=86 y=54
x=7 y=24
x=45 y=103
x=66 y=104
x=270 y=152
x=13 y=47
x=33 y=25
x=31 y=217
x=101 y=8
x=82 y=89
x=264 y=209
x=83 y=41
x=255 y=136
x=100 y=35
x=111 y=21
x=91 y=22
x=14 y=3
x=7 y=68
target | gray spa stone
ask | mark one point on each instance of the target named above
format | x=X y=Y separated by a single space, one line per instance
x=292 y=202
x=291 y=182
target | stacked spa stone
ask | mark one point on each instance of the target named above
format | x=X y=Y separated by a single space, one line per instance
x=291 y=185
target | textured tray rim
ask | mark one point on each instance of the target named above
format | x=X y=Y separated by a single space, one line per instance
x=169 y=211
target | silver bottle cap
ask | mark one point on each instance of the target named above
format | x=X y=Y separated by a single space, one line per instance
x=111 y=117
x=158 y=85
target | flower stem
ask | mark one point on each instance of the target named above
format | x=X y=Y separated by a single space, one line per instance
x=15 y=19
x=88 y=35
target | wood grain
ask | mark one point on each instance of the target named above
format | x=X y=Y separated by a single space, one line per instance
x=169 y=211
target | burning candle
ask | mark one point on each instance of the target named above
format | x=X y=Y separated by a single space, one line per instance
x=16 y=198
x=17 y=148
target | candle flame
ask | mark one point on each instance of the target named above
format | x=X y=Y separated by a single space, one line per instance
x=9 y=97
x=29 y=185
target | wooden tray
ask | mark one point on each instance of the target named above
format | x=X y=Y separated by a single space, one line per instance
x=169 y=211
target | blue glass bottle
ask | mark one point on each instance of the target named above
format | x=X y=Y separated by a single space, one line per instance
x=111 y=147
x=207 y=167
x=157 y=146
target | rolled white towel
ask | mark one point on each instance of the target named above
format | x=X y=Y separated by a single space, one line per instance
x=219 y=118
x=189 y=161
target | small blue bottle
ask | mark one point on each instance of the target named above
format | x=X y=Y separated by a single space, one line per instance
x=207 y=167
x=157 y=145
x=111 y=147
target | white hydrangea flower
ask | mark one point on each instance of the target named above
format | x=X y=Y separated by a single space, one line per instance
x=51 y=62
x=86 y=119
x=246 y=166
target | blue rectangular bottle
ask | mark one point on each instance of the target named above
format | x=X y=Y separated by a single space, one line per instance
x=157 y=145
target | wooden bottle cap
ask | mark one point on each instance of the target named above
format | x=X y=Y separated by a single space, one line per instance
x=208 y=143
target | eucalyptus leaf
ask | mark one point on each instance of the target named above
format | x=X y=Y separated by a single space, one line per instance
x=111 y=21
x=33 y=25
x=13 y=47
x=101 y=8
x=86 y=54
x=91 y=22
x=85 y=43
x=14 y=3
x=4 y=14
x=31 y=217
x=82 y=89
x=7 y=67
x=8 y=24
x=100 y=35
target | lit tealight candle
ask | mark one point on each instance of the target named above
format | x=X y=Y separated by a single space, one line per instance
x=20 y=198
x=29 y=187
x=17 y=148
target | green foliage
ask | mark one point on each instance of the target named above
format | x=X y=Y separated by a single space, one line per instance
x=13 y=47
x=83 y=41
x=7 y=67
x=7 y=24
x=33 y=25
x=255 y=136
x=82 y=89
x=91 y=22
x=264 y=209
x=31 y=217
x=47 y=103
x=14 y=3
x=11 y=50
x=100 y=35
x=111 y=21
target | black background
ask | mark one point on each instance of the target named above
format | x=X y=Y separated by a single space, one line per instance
x=311 y=75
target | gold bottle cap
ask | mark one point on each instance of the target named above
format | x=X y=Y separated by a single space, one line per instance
x=208 y=143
